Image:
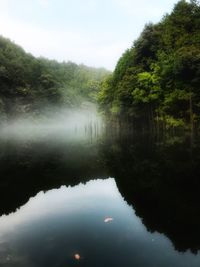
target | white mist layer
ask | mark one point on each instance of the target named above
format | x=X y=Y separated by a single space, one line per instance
x=54 y=123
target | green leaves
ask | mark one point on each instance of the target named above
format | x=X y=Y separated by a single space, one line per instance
x=157 y=80
x=43 y=81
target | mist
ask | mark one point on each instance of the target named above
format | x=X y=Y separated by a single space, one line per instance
x=54 y=123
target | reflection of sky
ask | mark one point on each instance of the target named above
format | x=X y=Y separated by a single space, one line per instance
x=55 y=225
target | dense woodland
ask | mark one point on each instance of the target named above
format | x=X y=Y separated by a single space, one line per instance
x=28 y=83
x=156 y=83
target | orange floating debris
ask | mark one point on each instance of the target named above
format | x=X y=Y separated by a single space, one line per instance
x=109 y=219
x=77 y=257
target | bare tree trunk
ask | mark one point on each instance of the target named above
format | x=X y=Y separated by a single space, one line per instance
x=191 y=114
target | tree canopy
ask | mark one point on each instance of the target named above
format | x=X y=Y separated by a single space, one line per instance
x=28 y=83
x=156 y=83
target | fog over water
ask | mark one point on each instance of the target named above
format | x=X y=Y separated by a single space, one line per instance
x=60 y=202
x=71 y=124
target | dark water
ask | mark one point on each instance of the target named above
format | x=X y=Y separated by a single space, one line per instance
x=111 y=199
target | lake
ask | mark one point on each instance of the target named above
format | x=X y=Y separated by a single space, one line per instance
x=94 y=196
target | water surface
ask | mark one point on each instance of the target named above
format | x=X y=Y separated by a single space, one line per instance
x=58 y=200
x=56 y=225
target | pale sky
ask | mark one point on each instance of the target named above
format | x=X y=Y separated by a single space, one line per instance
x=92 y=32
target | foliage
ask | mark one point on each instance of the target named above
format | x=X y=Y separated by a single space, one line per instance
x=33 y=82
x=157 y=80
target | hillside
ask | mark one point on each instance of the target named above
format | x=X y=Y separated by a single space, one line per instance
x=156 y=83
x=28 y=83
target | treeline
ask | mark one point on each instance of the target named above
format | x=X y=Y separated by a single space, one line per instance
x=156 y=83
x=28 y=83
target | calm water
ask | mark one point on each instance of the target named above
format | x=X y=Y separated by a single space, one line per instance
x=86 y=197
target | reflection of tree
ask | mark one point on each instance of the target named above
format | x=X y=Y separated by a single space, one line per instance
x=29 y=169
x=159 y=177
x=161 y=180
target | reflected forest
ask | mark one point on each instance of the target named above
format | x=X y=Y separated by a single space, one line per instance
x=99 y=167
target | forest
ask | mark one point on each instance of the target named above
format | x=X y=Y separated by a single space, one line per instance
x=156 y=82
x=28 y=84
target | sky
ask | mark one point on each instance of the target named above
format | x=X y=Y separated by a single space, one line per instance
x=90 y=32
